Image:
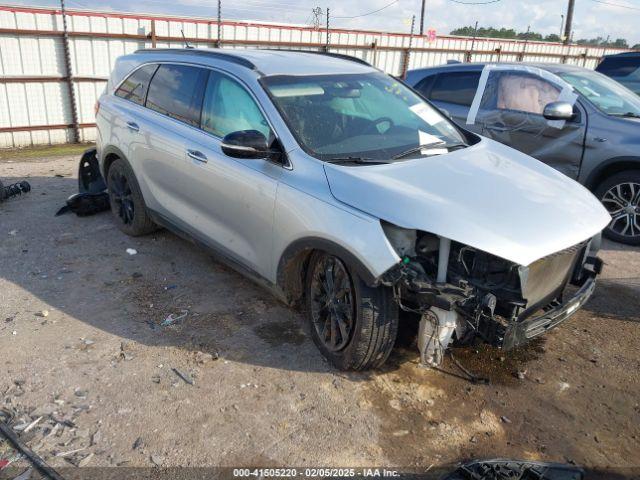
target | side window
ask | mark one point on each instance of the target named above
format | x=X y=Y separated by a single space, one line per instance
x=424 y=85
x=619 y=66
x=524 y=93
x=456 y=87
x=134 y=88
x=176 y=91
x=228 y=107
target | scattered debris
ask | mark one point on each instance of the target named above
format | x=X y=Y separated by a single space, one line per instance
x=70 y=452
x=174 y=318
x=521 y=374
x=157 y=460
x=85 y=460
x=32 y=456
x=42 y=313
x=563 y=386
x=124 y=353
x=13 y=233
x=505 y=419
x=132 y=251
x=138 y=444
x=32 y=424
x=26 y=475
x=202 y=357
x=184 y=376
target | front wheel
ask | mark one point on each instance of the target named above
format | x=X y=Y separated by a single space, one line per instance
x=620 y=195
x=352 y=324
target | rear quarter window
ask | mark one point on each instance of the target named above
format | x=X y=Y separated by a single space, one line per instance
x=176 y=91
x=135 y=87
x=455 y=87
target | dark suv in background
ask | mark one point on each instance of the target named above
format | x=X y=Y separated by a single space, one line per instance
x=623 y=68
x=594 y=137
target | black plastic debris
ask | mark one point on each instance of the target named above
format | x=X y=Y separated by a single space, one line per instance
x=13 y=190
x=515 y=470
x=92 y=196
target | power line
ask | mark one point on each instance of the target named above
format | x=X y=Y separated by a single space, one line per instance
x=616 y=5
x=475 y=3
x=371 y=12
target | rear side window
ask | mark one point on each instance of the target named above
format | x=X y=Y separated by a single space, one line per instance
x=455 y=87
x=176 y=91
x=619 y=66
x=134 y=88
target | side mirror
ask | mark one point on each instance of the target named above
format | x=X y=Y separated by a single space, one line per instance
x=250 y=144
x=558 y=111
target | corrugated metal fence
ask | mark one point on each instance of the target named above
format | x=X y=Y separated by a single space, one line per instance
x=35 y=103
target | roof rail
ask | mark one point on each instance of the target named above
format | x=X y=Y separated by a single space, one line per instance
x=229 y=57
x=328 y=54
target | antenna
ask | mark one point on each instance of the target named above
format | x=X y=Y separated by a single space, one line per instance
x=186 y=44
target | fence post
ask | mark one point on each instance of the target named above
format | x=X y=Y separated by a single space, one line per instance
x=69 y=77
x=153 y=34
x=585 y=55
x=374 y=48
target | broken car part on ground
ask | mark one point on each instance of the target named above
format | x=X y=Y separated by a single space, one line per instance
x=13 y=190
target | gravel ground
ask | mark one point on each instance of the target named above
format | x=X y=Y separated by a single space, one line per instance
x=238 y=381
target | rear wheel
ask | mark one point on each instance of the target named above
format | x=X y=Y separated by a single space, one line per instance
x=127 y=204
x=352 y=324
x=620 y=195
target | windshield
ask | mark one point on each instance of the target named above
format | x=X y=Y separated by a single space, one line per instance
x=606 y=94
x=368 y=116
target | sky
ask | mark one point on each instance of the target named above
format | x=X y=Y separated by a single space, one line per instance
x=592 y=18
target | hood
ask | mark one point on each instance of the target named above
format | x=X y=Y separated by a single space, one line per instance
x=488 y=196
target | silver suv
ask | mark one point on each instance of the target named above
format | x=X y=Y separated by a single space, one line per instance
x=344 y=192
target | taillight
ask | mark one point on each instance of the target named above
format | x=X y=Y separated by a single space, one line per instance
x=96 y=107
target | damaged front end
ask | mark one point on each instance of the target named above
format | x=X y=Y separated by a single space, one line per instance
x=462 y=293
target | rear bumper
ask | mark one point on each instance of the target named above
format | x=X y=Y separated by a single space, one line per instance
x=521 y=332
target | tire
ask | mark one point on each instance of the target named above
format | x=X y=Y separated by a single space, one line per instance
x=125 y=198
x=620 y=195
x=369 y=315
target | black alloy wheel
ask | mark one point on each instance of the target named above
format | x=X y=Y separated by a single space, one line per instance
x=332 y=303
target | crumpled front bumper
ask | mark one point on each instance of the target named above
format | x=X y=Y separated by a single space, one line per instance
x=519 y=333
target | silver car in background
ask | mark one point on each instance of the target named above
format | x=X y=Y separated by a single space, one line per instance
x=343 y=191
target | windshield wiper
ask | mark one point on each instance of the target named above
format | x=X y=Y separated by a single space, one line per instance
x=358 y=160
x=419 y=148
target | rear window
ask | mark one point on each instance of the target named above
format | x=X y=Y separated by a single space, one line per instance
x=619 y=66
x=455 y=87
x=176 y=91
x=134 y=88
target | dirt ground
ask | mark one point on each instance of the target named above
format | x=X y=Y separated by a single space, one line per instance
x=82 y=345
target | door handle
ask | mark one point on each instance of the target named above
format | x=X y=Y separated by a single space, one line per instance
x=197 y=155
x=133 y=126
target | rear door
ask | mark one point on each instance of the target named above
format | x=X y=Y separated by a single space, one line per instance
x=172 y=113
x=510 y=111
x=453 y=92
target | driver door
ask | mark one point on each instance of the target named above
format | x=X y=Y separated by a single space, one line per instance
x=511 y=113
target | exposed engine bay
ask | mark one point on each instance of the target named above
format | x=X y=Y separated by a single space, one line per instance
x=463 y=294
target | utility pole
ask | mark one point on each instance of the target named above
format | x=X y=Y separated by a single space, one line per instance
x=568 y=25
x=422 y=18
x=219 y=40
x=67 y=63
x=561 y=25
x=326 y=46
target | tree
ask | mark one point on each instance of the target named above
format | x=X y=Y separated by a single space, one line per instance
x=511 y=33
